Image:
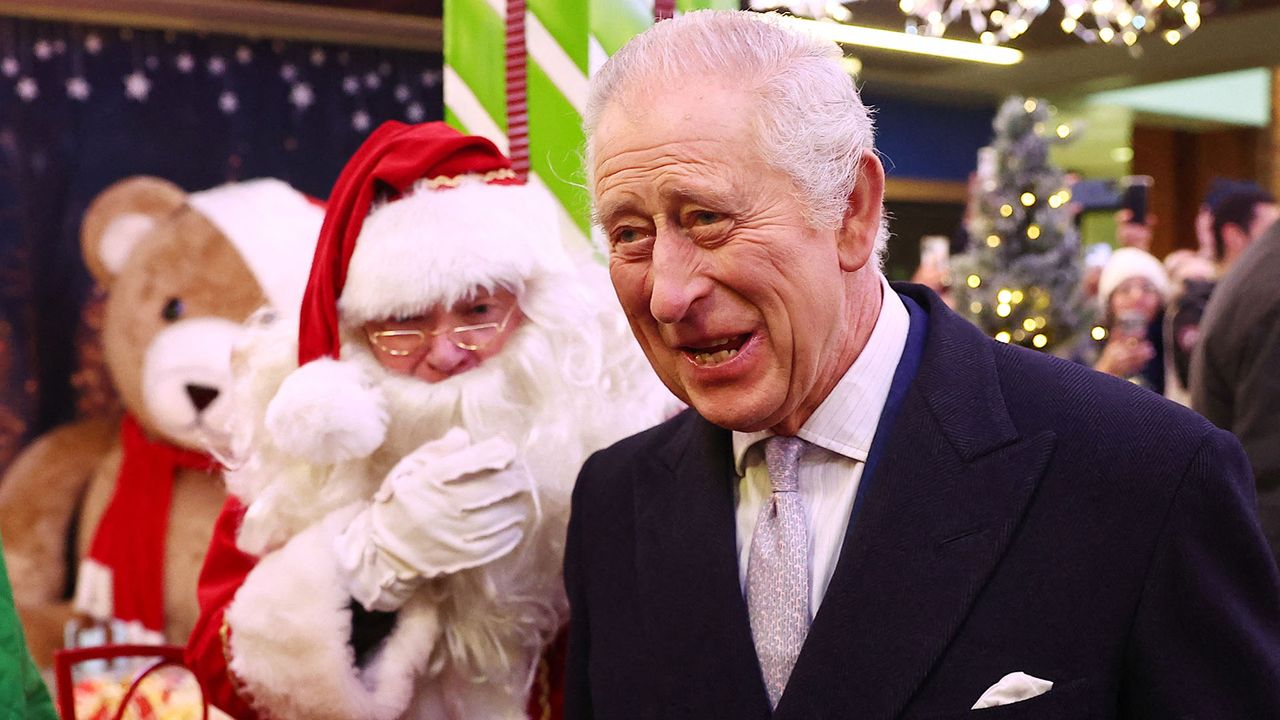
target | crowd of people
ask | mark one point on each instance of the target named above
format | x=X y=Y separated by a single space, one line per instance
x=1150 y=310
x=457 y=490
x=1202 y=327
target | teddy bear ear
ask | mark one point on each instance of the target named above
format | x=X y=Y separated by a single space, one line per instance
x=119 y=217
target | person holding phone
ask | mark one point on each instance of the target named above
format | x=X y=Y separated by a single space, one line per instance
x=1134 y=224
x=1132 y=290
x=934 y=271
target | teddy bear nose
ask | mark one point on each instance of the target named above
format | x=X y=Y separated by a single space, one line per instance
x=201 y=396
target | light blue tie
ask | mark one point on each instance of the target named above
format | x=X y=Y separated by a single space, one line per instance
x=778 y=569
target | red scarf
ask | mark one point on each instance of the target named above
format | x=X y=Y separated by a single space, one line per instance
x=130 y=538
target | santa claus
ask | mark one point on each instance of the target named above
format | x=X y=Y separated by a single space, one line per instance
x=401 y=460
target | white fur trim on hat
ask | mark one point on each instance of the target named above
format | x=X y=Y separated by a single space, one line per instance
x=326 y=412
x=435 y=246
x=274 y=227
x=1127 y=263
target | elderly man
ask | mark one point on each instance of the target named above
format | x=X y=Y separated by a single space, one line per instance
x=400 y=461
x=871 y=510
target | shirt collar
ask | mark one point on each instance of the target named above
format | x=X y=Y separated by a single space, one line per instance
x=845 y=422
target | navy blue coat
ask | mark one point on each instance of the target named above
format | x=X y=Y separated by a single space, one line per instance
x=1026 y=514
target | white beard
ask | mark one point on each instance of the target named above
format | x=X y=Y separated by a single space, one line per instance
x=479 y=401
x=501 y=397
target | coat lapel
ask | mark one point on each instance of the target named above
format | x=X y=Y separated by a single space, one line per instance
x=947 y=494
x=687 y=564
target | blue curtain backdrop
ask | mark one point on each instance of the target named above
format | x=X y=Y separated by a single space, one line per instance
x=82 y=107
x=928 y=140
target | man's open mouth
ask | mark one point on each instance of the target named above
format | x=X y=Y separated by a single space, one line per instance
x=715 y=352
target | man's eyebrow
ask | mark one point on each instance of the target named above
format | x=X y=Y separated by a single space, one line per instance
x=718 y=198
x=611 y=211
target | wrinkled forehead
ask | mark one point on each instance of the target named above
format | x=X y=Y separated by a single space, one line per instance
x=655 y=92
x=668 y=122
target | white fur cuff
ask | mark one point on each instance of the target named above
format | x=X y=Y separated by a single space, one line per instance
x=290 y=630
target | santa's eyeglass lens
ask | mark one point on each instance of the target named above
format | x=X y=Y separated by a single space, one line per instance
x=405 y=342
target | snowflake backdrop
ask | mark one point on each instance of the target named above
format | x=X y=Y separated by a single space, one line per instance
x=53 y=60
x=84 y=106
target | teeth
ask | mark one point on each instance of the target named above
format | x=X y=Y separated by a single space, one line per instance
x=713 y=358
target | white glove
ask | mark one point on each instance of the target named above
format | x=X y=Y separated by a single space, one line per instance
x=448 y=506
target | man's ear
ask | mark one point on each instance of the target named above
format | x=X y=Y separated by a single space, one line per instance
x=861 y=224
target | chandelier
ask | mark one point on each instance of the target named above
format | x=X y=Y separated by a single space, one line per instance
x=1122 y=22
x=1111 y=22
x=992 y=21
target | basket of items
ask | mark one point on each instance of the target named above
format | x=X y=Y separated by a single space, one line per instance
x=129 y=682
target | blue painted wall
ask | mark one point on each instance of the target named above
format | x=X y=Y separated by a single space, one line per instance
x=921 y=140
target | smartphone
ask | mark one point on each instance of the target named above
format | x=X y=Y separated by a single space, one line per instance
x=1092 y=195
x=1132 y=192
x=1131 y=324
x=935 y=252
x=1136 y=196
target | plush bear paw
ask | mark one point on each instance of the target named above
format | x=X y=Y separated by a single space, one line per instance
x=327 y=412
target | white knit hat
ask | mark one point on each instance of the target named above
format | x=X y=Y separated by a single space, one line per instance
x=1127 y=263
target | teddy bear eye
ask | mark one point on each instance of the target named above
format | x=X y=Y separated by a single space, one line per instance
x=172 y=310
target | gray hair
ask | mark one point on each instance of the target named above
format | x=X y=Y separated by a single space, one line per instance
x=811 y=124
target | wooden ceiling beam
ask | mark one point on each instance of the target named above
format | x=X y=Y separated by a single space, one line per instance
x=245 y=18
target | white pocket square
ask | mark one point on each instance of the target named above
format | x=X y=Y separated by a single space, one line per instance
x=1012 y=688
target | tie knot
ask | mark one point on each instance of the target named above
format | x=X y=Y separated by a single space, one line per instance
x=782 y=457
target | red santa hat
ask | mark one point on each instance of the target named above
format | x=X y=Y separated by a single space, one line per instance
x=273 y=226
x=420 y=216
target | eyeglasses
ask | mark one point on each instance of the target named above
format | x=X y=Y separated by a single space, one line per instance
x=402 y=343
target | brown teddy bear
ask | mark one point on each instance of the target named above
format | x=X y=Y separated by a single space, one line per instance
x=127 y=507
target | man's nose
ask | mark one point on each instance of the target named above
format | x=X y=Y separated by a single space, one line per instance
x=675 y=272
x=445 y=357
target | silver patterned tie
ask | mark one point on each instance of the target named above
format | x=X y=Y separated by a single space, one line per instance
x=778 y=569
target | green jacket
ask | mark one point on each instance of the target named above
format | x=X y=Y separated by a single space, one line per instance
x=23 y=695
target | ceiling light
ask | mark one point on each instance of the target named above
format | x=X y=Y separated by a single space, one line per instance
x=997 y=21
x=851 y=65
x=1107 y=21
x=903 y=42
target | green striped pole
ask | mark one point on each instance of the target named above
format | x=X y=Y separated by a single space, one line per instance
x=516 y=62
x=555 y=35
x=564 y=40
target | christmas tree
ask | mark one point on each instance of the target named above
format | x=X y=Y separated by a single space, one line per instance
x=1019 y=280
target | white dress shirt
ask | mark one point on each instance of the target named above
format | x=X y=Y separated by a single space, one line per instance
x=840 y=432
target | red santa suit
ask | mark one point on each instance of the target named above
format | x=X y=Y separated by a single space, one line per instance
x=392 y=548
